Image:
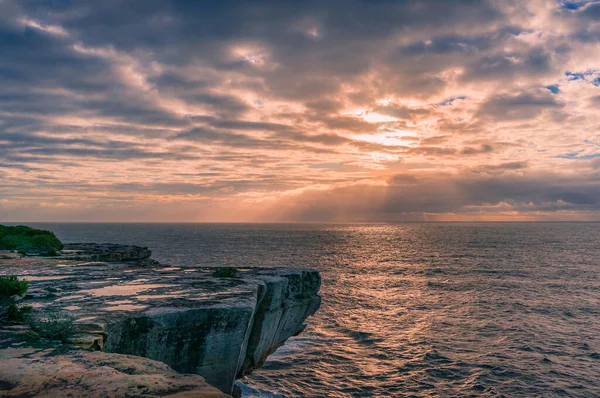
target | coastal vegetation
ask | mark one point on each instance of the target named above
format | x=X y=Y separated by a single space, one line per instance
x=11 y=288
x=225 y=272
x=28 y=240
x=51 y=325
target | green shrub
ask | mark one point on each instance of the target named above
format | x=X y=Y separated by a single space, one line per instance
x=226 y=272
x=46 y=243
x=11 y=312
x=26 y=239
x=12 y=242
x=11 y=286
x=53 y=325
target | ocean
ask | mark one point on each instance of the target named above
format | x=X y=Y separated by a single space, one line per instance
x=413 y=309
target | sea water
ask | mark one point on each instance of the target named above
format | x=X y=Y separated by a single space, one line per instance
x=414 y=309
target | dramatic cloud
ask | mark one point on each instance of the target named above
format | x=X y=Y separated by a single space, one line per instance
x=285 y=110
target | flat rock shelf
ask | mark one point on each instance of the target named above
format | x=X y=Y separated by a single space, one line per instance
x=186 y=318
x=108 y=252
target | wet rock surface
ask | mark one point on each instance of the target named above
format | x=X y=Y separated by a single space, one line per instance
x=219 y=328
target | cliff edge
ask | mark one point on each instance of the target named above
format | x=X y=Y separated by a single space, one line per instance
x=220 y=328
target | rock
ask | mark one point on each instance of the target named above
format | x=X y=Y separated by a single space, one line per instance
x=105 y=252
x=219 y=328
x=31 y=372
x=289 y=298
x=8 y=255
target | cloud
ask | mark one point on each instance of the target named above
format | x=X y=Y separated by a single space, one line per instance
x=506 y=65
x=522 y=105
x=224 y=108
x=508 y=166
x=413 y=197
x=590 y=11
x=485 y=148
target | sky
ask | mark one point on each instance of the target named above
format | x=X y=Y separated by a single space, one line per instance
x=299 y=111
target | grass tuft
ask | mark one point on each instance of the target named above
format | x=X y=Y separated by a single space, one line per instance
x=226 y=272
x=11 y=287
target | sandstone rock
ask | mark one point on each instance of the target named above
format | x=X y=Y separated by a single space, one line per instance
x=31 y=372
x=219 y=328
x=289 y=298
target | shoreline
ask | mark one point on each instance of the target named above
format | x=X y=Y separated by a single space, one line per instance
x=220 y=328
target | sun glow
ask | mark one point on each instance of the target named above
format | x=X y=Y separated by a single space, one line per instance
x=396 y=138
x=372 y=117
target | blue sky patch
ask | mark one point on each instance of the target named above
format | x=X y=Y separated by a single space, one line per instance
x=576 y=156
x=553 y=88
x=591 y=76
x=451 y=100
x=575 y=75
x=574 y=5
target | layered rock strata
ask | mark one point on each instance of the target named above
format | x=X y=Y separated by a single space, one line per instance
x=219 y=328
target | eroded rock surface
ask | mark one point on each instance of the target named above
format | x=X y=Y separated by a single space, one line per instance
x=219 y=328
x=52 y=372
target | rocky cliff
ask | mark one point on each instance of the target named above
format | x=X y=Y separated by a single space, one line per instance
x=219 y=328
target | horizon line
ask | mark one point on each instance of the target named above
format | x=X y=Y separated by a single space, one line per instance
x=306 y=222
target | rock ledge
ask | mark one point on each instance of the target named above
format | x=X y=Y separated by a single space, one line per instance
x=105 y=252
x=218 y=328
